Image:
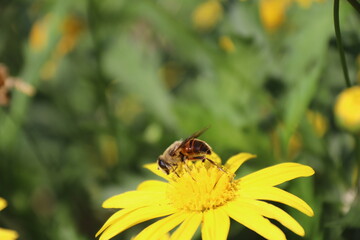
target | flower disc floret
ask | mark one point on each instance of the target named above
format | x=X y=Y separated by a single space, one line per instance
x=201 y=189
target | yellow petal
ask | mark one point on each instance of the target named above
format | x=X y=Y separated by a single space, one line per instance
x=6 y=234
x=135 y=217
x=273 y=212
x=153 y=167
x=152 y=185
x=277 y=195
x=134 y=199
x=254 y=221
x=277 y=174
x=236 y=161
x=188 y=227
x=3 y=203
x=116 y=216
x=161 y=227
x=216 y=224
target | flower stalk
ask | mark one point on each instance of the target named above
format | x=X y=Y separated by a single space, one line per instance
x=355 y=4
x=339 y=42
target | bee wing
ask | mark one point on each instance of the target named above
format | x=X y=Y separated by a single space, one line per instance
x=194 y=135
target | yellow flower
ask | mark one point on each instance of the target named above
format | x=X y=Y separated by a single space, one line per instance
x=227 y=44
x=39 y=34
x=204 y=195
x=295 y=145
x=71 y=29
x=207 y=15
x=6 y=234
x=272 y=12
x=318 y=121
x=347 y=108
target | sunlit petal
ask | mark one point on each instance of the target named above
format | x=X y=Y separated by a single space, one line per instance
x=8 y=234
x=134 y=199
x=161 y=227
x=187 y=229
x=135 y=217
x=277 y=195
x=114 y=218
x=277 y=174
x=273 y=212
x=3 y=203
x=216 y=224
x=236 y=161
x=152 y=185
x=254 y=221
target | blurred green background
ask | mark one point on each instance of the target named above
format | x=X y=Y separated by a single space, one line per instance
x=103 y=87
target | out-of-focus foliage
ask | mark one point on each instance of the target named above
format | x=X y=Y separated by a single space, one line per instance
x=106 y=86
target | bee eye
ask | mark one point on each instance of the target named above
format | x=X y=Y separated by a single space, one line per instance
x=164 y=166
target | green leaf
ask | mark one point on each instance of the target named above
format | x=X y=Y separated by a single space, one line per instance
x=135 y=68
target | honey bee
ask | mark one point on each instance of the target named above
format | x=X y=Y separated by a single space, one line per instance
x=190 y=149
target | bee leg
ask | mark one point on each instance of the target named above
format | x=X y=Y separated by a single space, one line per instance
x=212 y=162
x=203 y=158
x=174 y=170
x=182 y=157
x=188 y=170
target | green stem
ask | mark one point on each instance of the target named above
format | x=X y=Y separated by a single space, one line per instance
x=339 y=42
x=357 y=159
x=355 y=4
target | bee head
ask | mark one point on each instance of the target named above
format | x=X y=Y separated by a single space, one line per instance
x=165 y=167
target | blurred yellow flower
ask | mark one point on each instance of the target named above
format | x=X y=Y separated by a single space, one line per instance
x=318 y=121
x=307 y=3
x=6 y=234
x=295 y=145
x=292 y=147
x=272 y=12
x=128 y=109
x=172 y=73
x=39 y=34
x=70 y=29
x=109 y=149
x=347 y=108
x=204 y=195
x=227 y=44
x=207 y=15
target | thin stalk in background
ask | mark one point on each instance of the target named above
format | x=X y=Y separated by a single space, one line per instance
x=339 y=42
x=355 y=4
x=357 y=159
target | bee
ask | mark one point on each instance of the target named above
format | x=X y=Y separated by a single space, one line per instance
x=190 y=149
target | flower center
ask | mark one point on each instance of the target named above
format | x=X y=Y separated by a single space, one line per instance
x=201 y=188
